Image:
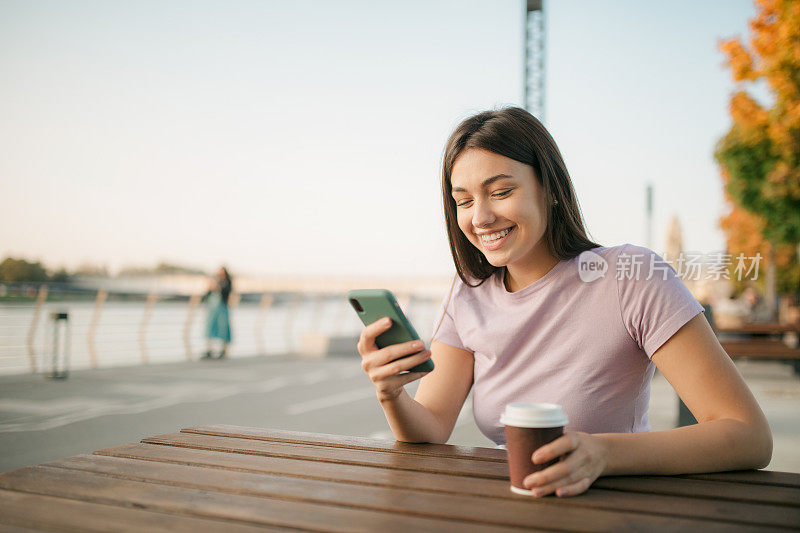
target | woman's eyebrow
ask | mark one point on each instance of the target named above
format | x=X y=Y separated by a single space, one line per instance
x=486 y=182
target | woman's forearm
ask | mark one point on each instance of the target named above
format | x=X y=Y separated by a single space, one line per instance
x=410 y=421
x=713 y=446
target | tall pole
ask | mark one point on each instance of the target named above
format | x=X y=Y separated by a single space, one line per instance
x=649 y=215
x=534 y=83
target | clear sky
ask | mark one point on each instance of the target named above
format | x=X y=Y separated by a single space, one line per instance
x=288 y=137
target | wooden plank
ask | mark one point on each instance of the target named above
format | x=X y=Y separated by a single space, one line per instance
x=355 y=443
x=290 y=466
x=442 y=465
x=5 y=528
x=102 y=489
x=426 y=482
x=762 y=329
x=753 y=477
x=717 y=490
x=517 y=511
x=760 y=349
x=38 y=512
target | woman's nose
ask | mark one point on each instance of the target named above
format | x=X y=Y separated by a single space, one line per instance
x=482 y=215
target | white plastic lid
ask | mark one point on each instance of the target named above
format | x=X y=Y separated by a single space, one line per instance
x=533 y=415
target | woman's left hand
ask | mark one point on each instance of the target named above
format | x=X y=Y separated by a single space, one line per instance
x=583 y=459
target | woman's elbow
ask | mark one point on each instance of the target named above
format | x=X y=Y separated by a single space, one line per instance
x=764 y=448
x=750 y=444
x=758 y=442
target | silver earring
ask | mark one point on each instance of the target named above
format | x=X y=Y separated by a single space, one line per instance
x=555 y=202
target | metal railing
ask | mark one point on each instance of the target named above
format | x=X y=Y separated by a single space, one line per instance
x=110 y=329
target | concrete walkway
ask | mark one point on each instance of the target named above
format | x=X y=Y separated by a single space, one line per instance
x=42 y=419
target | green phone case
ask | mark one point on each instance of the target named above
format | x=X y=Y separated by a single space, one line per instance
x=378 y=303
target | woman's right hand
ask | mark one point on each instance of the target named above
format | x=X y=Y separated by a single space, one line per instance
x=383 y=365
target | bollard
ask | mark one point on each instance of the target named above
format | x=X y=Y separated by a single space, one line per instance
x=60 y=349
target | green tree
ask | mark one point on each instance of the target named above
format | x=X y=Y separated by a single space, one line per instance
x=21 y=270
x=60 y=276
x=760 y=154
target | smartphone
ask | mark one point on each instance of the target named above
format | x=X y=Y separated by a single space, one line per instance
x=374 y=304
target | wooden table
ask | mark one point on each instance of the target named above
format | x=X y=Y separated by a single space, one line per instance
x=227 y=478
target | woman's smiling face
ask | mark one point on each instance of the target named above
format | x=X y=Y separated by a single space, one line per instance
x=500 y=207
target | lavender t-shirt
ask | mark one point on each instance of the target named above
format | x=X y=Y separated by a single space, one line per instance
x=579 y=336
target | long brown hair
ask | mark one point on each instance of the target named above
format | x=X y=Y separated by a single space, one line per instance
x=514 y=133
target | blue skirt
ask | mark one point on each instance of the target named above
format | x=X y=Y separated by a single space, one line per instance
x=218 y=325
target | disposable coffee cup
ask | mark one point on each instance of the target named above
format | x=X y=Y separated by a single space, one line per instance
x=529 y=426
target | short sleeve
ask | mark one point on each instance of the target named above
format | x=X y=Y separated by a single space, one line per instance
x=444 y=326
x=654 y=302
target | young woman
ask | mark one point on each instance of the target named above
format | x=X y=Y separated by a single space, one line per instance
x=218 y=324
x=541 y=313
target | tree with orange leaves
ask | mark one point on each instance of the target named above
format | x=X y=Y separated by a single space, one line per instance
x=760 y=155
x=744 y=232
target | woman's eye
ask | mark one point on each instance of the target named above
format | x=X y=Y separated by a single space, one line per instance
x=501 y=194
x=463 y=203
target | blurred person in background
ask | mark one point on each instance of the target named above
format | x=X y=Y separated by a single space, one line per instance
x=756 y=306
x=218 y=325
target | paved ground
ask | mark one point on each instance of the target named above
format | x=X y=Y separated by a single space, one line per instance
x=43 y=419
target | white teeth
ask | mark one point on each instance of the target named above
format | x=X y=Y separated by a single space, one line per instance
x=495 y=236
